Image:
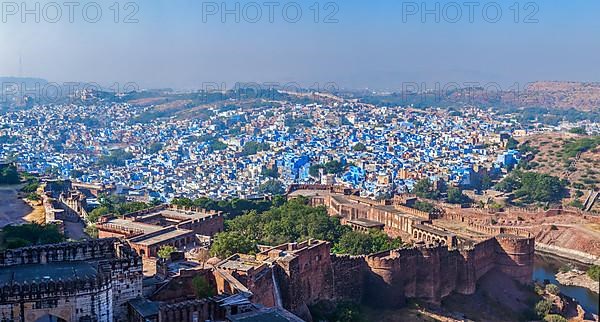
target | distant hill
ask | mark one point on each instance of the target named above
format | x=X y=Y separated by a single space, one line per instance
x=563 y=95
x=579 y=96
x=28 y=81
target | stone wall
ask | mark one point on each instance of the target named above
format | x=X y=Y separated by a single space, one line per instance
x=306 y=273
x=348 y=277
x=188 y=311
x=207 y=226
x=431 y=273
x=515 y=256
x=69 y=300
x=113 y=276
x=305 y=278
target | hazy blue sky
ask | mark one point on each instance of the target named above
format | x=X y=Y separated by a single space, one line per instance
x=374 y=44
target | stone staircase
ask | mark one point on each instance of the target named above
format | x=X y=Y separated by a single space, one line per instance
x=590 y=200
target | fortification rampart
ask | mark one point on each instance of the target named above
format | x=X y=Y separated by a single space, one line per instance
x=80 y=251
x=348 y=277
x=515 y=256
x=432 y=272
x=73 y=281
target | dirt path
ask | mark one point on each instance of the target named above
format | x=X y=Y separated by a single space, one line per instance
x=12 y=209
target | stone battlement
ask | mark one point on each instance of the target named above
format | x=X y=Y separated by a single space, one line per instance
x=88 y=280
x=80 y=251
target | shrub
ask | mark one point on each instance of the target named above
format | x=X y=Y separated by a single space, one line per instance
x=594 y=273
x=359 y=147
x=92 y=230
x=165 y=251
x=29 y=234
x=202 y=288
x=424 y=206
x=542 y=308
x=554 y=318
x=552 y=289
x=538 y=289
x=31 y=187
x=33 y=197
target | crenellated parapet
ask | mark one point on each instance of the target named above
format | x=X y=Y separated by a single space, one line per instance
x=50 y=288
x=200 y=310
x=74 y=281
x=348 y=277
x=306 y=272
x=80 y=251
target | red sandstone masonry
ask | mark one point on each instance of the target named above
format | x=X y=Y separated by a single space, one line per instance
x=307 y=273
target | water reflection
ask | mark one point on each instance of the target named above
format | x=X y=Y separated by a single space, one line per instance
x=545 y=267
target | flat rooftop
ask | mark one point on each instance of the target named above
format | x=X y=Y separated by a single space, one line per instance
x=310 y=193
x=366 y=223
x=143 y=240
x=240 y=264
x=46 y=272
x=134 y=225
x=144 y=307
x=175 y=214
x=340 y=199
x=266 y=315
x=433 y=230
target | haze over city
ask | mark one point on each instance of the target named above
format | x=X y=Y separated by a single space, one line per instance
x=380 y=45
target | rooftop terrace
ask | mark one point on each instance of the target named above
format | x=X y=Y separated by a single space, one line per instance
x=37 y=273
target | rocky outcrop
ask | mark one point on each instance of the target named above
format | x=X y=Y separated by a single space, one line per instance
x=578 y=278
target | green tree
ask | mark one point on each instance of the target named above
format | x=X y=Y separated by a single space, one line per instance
x=272 y=187
x=354 y=243
x=358 y=243
x=251 y=148
x=165 y=251
x=202 y=287
x=456 y=196
x=291 y=221
x=76 y=174
x=217 y=145
x=116 y=158
x=94 y=215
x=512 y=144
x=314 y=170
x=344 y=311
x=542 y=308
x=270 y=172
x=424 y=189
x=31 y=187
x=9 y=175
x=424 y=206
x=578 y=130
x=33 y=197
x=129 y=207
x=485 y=182
x=230 y=243
x=91 y=230
x=359 y=147
x=29 y=234
x=334 y=167
x=533 y=187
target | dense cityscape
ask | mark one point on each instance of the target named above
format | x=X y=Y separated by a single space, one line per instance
x=235 y=151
